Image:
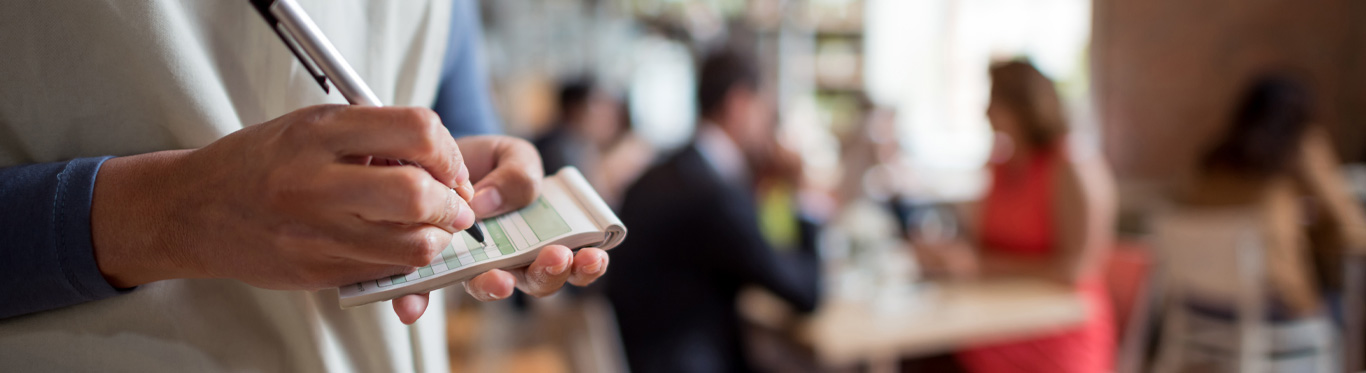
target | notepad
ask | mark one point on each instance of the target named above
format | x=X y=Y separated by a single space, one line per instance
x=568 y=212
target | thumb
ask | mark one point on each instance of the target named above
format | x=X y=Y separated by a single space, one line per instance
x=505 y=189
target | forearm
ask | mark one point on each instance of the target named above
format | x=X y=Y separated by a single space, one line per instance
x=794 y=275
x=807 y=268
x=1320 y=177
x=79 y=231
x=993 y=264
x=132 y=230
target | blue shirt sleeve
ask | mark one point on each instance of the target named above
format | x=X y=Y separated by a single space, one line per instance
x=462 y=99
x=47 y=259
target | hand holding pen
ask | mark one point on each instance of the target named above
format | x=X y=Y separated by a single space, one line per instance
x=508 y=171
x=285 y=205
x=317 y=54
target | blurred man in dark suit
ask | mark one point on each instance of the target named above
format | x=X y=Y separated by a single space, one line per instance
x=695 y=237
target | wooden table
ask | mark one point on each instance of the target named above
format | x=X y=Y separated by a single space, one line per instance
x=844 y=332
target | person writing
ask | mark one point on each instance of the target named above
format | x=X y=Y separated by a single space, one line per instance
x=1047 y=214
x=172 y=255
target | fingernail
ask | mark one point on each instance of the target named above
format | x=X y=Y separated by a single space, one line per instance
x=463 y=175
x=486 y=201
x=490 y=296
x=557 y=270
x=593 y=268
x=466 y=189
x=460 y=211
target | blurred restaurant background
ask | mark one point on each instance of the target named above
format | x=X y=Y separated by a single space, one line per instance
x=1199 y=210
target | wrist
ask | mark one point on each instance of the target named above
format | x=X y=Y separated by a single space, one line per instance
x=134 y=232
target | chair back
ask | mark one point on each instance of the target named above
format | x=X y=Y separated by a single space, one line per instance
x=1215 y=255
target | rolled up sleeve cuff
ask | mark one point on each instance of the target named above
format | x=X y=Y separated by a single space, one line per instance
x=74 y=242
x=47 y=256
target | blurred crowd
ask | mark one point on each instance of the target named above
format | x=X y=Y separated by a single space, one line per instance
x=1245 y=253
x=727 y=210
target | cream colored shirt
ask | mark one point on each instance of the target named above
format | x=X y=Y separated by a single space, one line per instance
x=119 y=77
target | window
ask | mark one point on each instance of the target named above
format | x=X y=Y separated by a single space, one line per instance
x=929 y=59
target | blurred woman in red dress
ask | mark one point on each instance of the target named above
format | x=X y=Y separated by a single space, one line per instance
x=1048 y=214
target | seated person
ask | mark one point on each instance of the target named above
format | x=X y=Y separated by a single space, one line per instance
x=1272 y=158
x=593 y=133
x=676 y=301
x=1047 y=214
x=586 y=122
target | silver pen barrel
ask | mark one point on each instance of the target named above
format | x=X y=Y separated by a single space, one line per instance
x=310 y=39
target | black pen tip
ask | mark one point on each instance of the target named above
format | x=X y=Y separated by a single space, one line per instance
x=476 y=233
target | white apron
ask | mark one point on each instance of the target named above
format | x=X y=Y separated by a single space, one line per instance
x=83 y=78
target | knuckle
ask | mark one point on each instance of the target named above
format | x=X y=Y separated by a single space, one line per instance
x=521 y=144
x=530 y=186
x=430 y=119
x=304 y=125
x=432 y=135
x=524 y=178
x=420 y=119
x=299 y=131
x=417 y=258
x=411 y=189
x=539 y=286
x=415 y=211
x=276 y=187
x=408 y=120
x=413 y=181
x=440 y=214
x=318 y=115
x=426 y=250
x=426 y=145
x=434 y=243
x=421 y=257
x=412 y=116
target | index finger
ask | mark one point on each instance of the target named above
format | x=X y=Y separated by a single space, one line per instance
x=413 y=134
x=410 y=307
x=394 y=194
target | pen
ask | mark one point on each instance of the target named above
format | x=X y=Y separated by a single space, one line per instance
x=322 y=60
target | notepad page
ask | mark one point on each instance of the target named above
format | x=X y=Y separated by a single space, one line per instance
x=551 y=215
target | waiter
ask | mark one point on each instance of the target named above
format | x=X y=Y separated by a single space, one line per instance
x=172 y=193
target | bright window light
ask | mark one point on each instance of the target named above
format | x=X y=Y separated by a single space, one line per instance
x=929 y=60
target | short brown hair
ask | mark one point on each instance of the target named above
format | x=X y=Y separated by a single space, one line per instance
x=722 y=70
x=1022 y=88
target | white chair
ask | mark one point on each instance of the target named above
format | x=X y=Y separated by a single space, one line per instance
x=1354 y=312
x=1216 y=257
